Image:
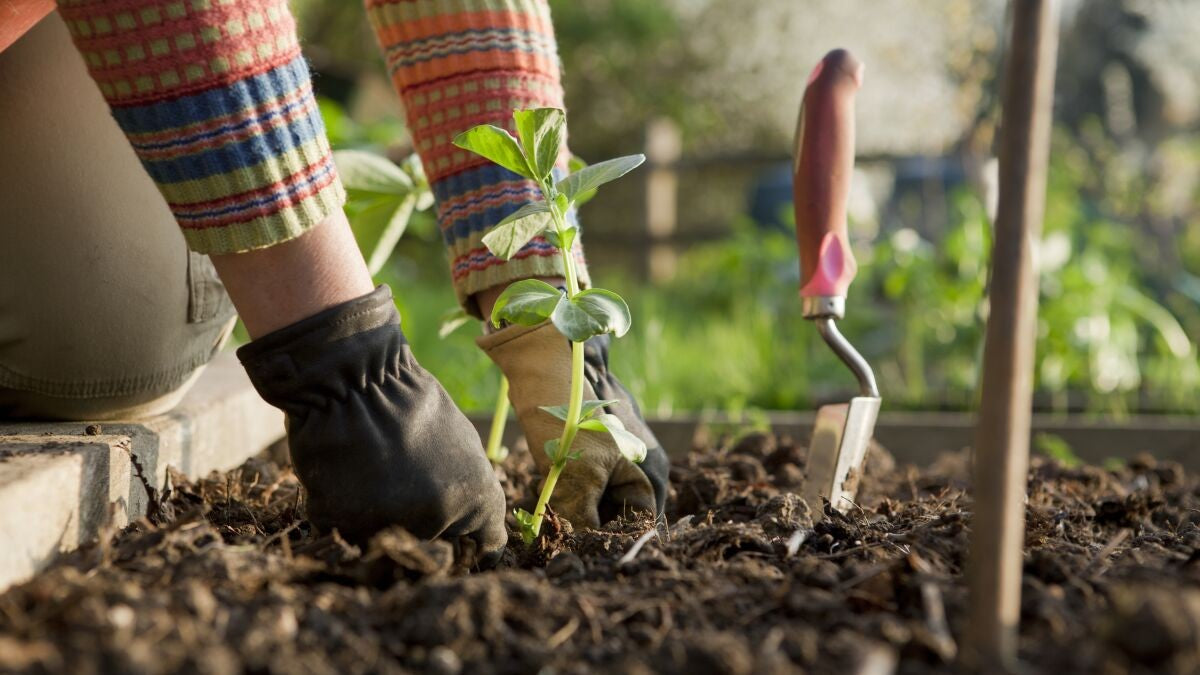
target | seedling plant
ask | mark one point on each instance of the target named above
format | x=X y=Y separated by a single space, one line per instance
x=578 y=314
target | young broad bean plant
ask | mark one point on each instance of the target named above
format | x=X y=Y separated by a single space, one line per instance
x=577 y=314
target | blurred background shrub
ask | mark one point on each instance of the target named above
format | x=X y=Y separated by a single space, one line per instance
x=712 y=88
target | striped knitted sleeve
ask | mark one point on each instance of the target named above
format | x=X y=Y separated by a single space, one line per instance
x=216 y=100
x=457 y=64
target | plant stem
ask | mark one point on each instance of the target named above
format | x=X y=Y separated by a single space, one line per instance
x=539 y=513
x=575 y=404
x=499 y=418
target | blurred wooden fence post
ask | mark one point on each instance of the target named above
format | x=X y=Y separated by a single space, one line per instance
x=664 y=146
x=1002 y=436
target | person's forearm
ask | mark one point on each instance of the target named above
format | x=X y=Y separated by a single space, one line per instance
x=277 y=286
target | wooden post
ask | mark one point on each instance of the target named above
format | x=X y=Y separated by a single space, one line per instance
x=664 y=145
x=1002 y=436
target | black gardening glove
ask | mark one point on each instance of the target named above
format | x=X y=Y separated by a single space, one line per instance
x=607 y=386
x=374 y=438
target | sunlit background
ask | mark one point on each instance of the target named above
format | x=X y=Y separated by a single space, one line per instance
x=699 y=241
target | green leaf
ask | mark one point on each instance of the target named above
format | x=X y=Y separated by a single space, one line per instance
x=550 y=447
x=559 y=411
x=511 y=234
x=590 y=313
x=592 y=177
x=629 y=445
x=527 y=302
x=541 y=132
x=378 y=226
x=497 y=145
x=562 y=242
x=451 y=320
x=525 y=521
x=562 y=202
x=588 y=409
x=529 y=209
x=607 y=308
x=413 y=167
x=366 y=172
x=390 y=236
x=592 y=425
x=592 y=405
x=574 y=165
x=572 y=321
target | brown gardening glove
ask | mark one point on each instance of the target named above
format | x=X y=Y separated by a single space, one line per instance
x=374 y=438
x=601 y=484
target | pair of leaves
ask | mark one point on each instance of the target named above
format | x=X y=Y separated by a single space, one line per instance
x=592 y=312
x=515 y=231
x=525 y=522
x=532 y=154
x=591 y=419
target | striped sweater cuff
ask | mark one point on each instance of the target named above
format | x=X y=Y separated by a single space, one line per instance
x=217 y=102
x=461 y=64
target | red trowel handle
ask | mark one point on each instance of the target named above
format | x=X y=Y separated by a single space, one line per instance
x=821 y=182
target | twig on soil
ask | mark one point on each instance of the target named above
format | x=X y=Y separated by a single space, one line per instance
x=563 y=634
x=637 y=546
x=935 y=609
x=283 y=536
x=848 y=551
x=680 y=524
x=1099 y=564
x=665 y=625
x=795 y=541
x=871 y=573
x=589 y=613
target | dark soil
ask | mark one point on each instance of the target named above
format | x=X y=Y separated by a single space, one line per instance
x=227 y=577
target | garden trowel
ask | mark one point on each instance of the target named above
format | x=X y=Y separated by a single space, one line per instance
x=821 y=186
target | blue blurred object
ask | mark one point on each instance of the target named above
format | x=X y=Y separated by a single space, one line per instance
x=771 y=197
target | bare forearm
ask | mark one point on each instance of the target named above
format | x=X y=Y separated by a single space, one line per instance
x=276 y=286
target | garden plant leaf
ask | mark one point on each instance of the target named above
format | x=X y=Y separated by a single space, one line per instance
x=540 y=133
x=592 y=177
x=565 y=241
x=527 y=302
x=512 y=233
x=607 y=308
x=572 y=321
x=496 y=144
x=630 y=446
x=575 y=165
x=588 y=409
x=369 y=174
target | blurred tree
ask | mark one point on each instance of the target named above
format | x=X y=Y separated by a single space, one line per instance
x=623 y=63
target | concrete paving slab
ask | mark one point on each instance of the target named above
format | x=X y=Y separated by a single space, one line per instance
x=61 y=486
x=57 y=492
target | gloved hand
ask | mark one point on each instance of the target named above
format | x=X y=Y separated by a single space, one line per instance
x=601 y=484
x=374 y=438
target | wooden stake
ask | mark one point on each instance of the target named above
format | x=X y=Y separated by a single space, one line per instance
x=1002 y=435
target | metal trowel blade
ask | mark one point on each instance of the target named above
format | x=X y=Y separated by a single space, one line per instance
x=838 y=450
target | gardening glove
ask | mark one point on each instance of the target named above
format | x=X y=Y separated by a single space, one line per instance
x=601 y=484
x=374 y=438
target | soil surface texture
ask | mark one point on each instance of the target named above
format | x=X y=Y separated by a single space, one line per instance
x=225 y=576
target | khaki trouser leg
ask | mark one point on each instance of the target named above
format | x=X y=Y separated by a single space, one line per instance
x=103 y=311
